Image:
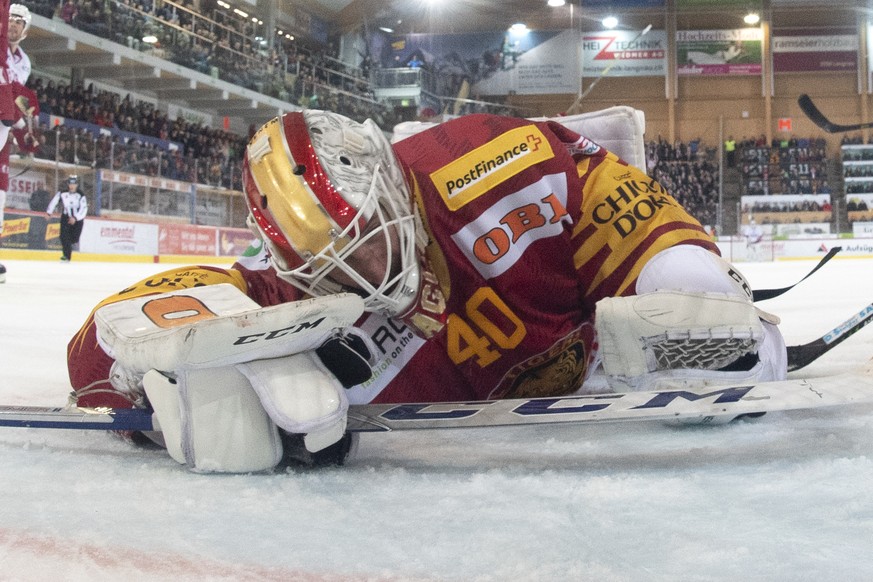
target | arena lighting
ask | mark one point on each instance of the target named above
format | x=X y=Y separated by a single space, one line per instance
x=224 y=4
x=386 y=29
x=752 y=18
x=556 y=3
x=609 y=22
x=518 y=28
x=240 y=12
x=150 y=39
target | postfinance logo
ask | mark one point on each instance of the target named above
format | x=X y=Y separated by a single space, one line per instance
x=478 y=171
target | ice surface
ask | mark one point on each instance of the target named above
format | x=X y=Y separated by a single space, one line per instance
x=785 y=497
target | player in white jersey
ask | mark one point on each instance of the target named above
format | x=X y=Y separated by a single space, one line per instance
x=18 y=105
x=754 y=235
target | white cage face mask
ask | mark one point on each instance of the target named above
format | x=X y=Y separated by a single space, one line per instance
x=330 y=201
x=380 y=261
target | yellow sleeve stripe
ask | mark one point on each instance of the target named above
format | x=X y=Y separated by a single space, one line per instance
x=620 y=270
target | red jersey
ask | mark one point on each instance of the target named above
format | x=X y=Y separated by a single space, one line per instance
x=529 y=225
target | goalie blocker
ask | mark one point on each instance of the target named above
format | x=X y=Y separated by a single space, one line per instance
x=225 y=376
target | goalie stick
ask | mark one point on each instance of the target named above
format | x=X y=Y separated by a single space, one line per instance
x=764 y=294
x=817 y=117
x=372 y=417
x=24 y=169
x=730 y=400
x=680 y=405
x=803 y=355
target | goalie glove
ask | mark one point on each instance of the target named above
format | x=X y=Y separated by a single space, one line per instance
x=319 y=410
x=224 y=375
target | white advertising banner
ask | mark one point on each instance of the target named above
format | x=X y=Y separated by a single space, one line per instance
x=546 y=67
x=22 y=187
x=624 y=53
x=862 y=229
x=719 y=52
x=738 y=249
x=116 y=237
x=803 y=229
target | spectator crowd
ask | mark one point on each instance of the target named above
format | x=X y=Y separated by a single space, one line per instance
x=199 y=35
x=689 y=172
x=785 y=166
x=187 y=150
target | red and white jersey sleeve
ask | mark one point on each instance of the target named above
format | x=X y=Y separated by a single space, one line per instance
x=18 y=65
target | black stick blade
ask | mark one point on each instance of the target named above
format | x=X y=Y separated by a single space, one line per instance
x=818 y=118
x=812 y=112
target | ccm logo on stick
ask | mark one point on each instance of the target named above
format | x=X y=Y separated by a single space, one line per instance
x=570 y=405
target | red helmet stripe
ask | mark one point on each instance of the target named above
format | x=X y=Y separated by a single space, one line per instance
x=300 y=147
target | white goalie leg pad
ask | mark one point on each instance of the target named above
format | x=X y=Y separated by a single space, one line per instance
x=301 y=397
x=213 y=421
x=682 y=336
x=773 y=354
x=695 y=269
x=619 y=129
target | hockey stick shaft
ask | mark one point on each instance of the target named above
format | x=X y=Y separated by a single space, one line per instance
x=372 y=417
x=134 y=419
x=817 y=117
x=803 y=355
x=22 y=171
x=606 y=70
x=677 y=405
x=764 y=294
x=697 y=406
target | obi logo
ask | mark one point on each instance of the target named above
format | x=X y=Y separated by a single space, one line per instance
x=632 y=203
x=480 y=170
x=498 y=238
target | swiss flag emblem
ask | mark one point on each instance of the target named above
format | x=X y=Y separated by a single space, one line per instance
x=785 y=124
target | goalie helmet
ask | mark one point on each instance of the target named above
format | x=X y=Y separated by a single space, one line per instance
x=21 y=12
x=321 y=187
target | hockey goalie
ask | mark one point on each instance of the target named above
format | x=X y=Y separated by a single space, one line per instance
x=481 y=258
